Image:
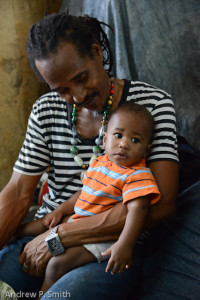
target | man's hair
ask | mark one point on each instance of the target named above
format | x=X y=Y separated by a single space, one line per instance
x=140 y=109
x=45 y=36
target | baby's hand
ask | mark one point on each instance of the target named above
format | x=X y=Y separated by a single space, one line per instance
x=52 y=219
x=120 y=259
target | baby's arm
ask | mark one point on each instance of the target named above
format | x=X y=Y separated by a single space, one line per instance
x=121 y=251
x=39 y=226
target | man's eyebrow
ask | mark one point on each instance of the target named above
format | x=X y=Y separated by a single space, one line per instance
x=78 y=75
x=72 y=79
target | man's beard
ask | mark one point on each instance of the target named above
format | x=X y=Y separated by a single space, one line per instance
x=98 y=112
x=95 y=113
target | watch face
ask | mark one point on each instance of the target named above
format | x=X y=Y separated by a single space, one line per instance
x=54 y=244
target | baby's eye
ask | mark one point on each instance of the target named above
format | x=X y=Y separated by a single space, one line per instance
x=135 y=140
x=118 y=135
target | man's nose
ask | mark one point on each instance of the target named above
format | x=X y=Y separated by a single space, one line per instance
x=78 y=99
x=75 y=96
x=78 y=95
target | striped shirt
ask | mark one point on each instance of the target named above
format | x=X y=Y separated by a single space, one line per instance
x=47 y=141
x=105 y=184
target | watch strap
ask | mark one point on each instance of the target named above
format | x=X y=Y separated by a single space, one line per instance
x=53 y=231
x=53 y=235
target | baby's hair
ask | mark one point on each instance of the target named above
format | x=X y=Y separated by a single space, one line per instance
x=45 y=36
x=140 y=109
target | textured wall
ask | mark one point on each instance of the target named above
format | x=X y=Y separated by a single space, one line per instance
x=19 y=86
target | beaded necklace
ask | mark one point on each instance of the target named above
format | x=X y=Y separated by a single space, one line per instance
x=98 y=141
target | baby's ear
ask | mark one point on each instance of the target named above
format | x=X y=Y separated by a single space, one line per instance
x=148 y=150
x=104 y=139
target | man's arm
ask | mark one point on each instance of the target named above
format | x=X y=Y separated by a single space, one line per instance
x=15 y=200
x=102 y=227
x=166 y=174
x=109 y=224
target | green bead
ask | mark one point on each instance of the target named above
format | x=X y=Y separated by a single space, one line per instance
x=94 y=156
x=96 y=149
x=106 y=112
x=74 y=119
x=74 y=114
x=78 y=160
x=74 y=150
x=104 y=118
x=82 y=174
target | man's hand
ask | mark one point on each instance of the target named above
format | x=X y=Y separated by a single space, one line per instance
x=35 y=256
x=121 y=258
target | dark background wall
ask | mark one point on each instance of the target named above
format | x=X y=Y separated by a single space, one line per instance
x=156 y=41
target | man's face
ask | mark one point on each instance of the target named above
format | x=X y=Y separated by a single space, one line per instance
x=79 y=80
x=127 y=138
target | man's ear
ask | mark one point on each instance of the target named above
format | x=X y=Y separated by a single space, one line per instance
x=104 y=139
x=97 y=51
x=148 y=150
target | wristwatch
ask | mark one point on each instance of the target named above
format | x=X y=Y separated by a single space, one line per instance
x=53 y=242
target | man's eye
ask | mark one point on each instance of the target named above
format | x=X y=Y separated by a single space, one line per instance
x=135 y=140
x=118 y=135
x=81 y=79
x=63 y=91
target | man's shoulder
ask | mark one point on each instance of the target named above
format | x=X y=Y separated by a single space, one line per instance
x=138 y=87
x=49 y=101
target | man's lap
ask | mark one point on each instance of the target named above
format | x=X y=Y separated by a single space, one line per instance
x=87 y=282
x=92 y=282
x=171 y=264
x=172 y=255
x=12 y=272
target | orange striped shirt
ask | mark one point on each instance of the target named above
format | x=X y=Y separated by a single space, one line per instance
x=105 y=184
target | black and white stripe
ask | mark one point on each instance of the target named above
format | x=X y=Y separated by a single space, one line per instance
x=47 y=141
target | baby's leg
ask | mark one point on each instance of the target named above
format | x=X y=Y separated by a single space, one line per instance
x=72 y=258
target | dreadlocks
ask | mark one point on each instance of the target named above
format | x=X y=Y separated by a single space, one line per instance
x=45 y=36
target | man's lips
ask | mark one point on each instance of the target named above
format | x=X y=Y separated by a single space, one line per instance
x=88 y=100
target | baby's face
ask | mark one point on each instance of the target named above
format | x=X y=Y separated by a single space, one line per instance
x=127 y=138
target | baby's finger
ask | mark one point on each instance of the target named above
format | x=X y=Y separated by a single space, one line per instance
x=52 y=224
x=122 y=269
x=129 y=264
x=47 y=222
x=115 y=268
x=106 y=252
x=109 y=265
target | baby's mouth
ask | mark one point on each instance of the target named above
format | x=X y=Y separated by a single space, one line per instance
x=120 y=155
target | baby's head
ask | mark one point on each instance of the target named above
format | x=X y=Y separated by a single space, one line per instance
x=129 y=134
